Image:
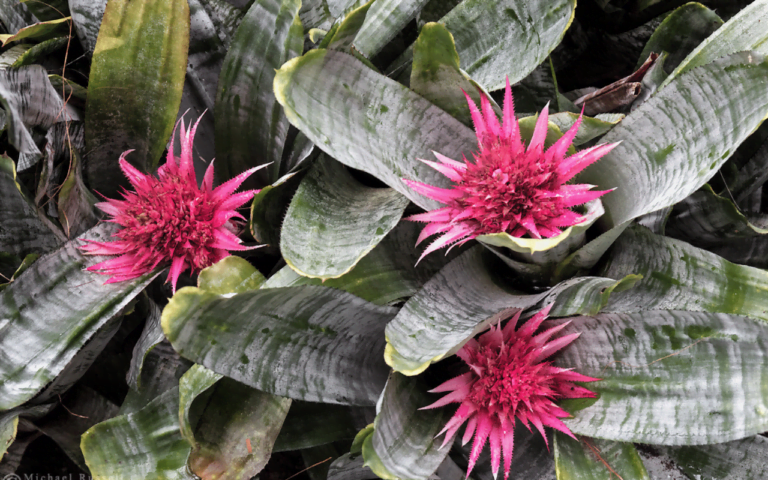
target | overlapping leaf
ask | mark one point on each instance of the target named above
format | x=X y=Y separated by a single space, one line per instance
x=368 y=121
x=463 y=299
x=43 y=329
x=588 y=459
x=670 y=377
x=250 y=126
x=334 y=221
x=327 y=343
x=659 y=161
x=678 y=276
x=745 y=31
x=24 y=230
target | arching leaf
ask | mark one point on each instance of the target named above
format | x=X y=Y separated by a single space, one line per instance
x=670 y=377
x=251 y=127
x=334 y=221
x=309 y=343
x=43 y=329
x=659 y=161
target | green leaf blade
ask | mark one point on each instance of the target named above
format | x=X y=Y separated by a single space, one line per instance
x=250 y=126
x=135 y=87
x=334 y=221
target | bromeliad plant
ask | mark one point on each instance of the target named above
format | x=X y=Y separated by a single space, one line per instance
x=599 y=311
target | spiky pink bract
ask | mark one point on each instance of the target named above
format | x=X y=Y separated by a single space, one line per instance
x=169 y=220
x=508 y=380
x=508 y=188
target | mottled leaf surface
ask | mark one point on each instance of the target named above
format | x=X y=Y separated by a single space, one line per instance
x=135 y=85
x=384 y=20
x=250 y=125
x=42 y=328
x=462 y=300
x=308 y=343
x=670 y=377
x=660 y=161
x=744 y=31
x=678 y=276
x=87 y=17
x=368 y=121
x=437 y=76
x=334 y=221
x=384 y=276
x=403 y=439
x=143 y=444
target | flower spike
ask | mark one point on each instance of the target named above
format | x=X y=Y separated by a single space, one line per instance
x=508 y=188
x=168 y=220
x=509 y=380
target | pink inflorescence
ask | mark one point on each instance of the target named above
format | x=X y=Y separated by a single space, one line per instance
x=508 y=188
x=509 y=379
x=169 y=220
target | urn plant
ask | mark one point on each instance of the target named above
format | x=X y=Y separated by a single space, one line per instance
x=441 y=239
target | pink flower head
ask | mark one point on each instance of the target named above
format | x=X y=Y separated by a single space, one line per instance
x=508 y=379
x=508 y=188
x=169 y=220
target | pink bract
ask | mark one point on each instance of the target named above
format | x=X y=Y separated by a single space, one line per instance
x=509 y=379
x=169 y=220
x=508 y=188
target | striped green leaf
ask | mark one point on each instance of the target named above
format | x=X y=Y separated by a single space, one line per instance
x=24 y=228
x=308 y=343
x=151 y=336
x=269 y=206
x=15 y=15
x=463 y=299
x=403 y=441
x=250 y=126
x=500 y=39
x=334 y=221
x=681 y=32
x=670 y=377
x=43 y=329
x=345 y=108
x=678 y=276
x=386 y=275
x=436 y=74
x=143 y=444
x=87 y=17
x=595 y=459
x=134 y=88
x=384 y=20
x=659 y=161
x=744 y=31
